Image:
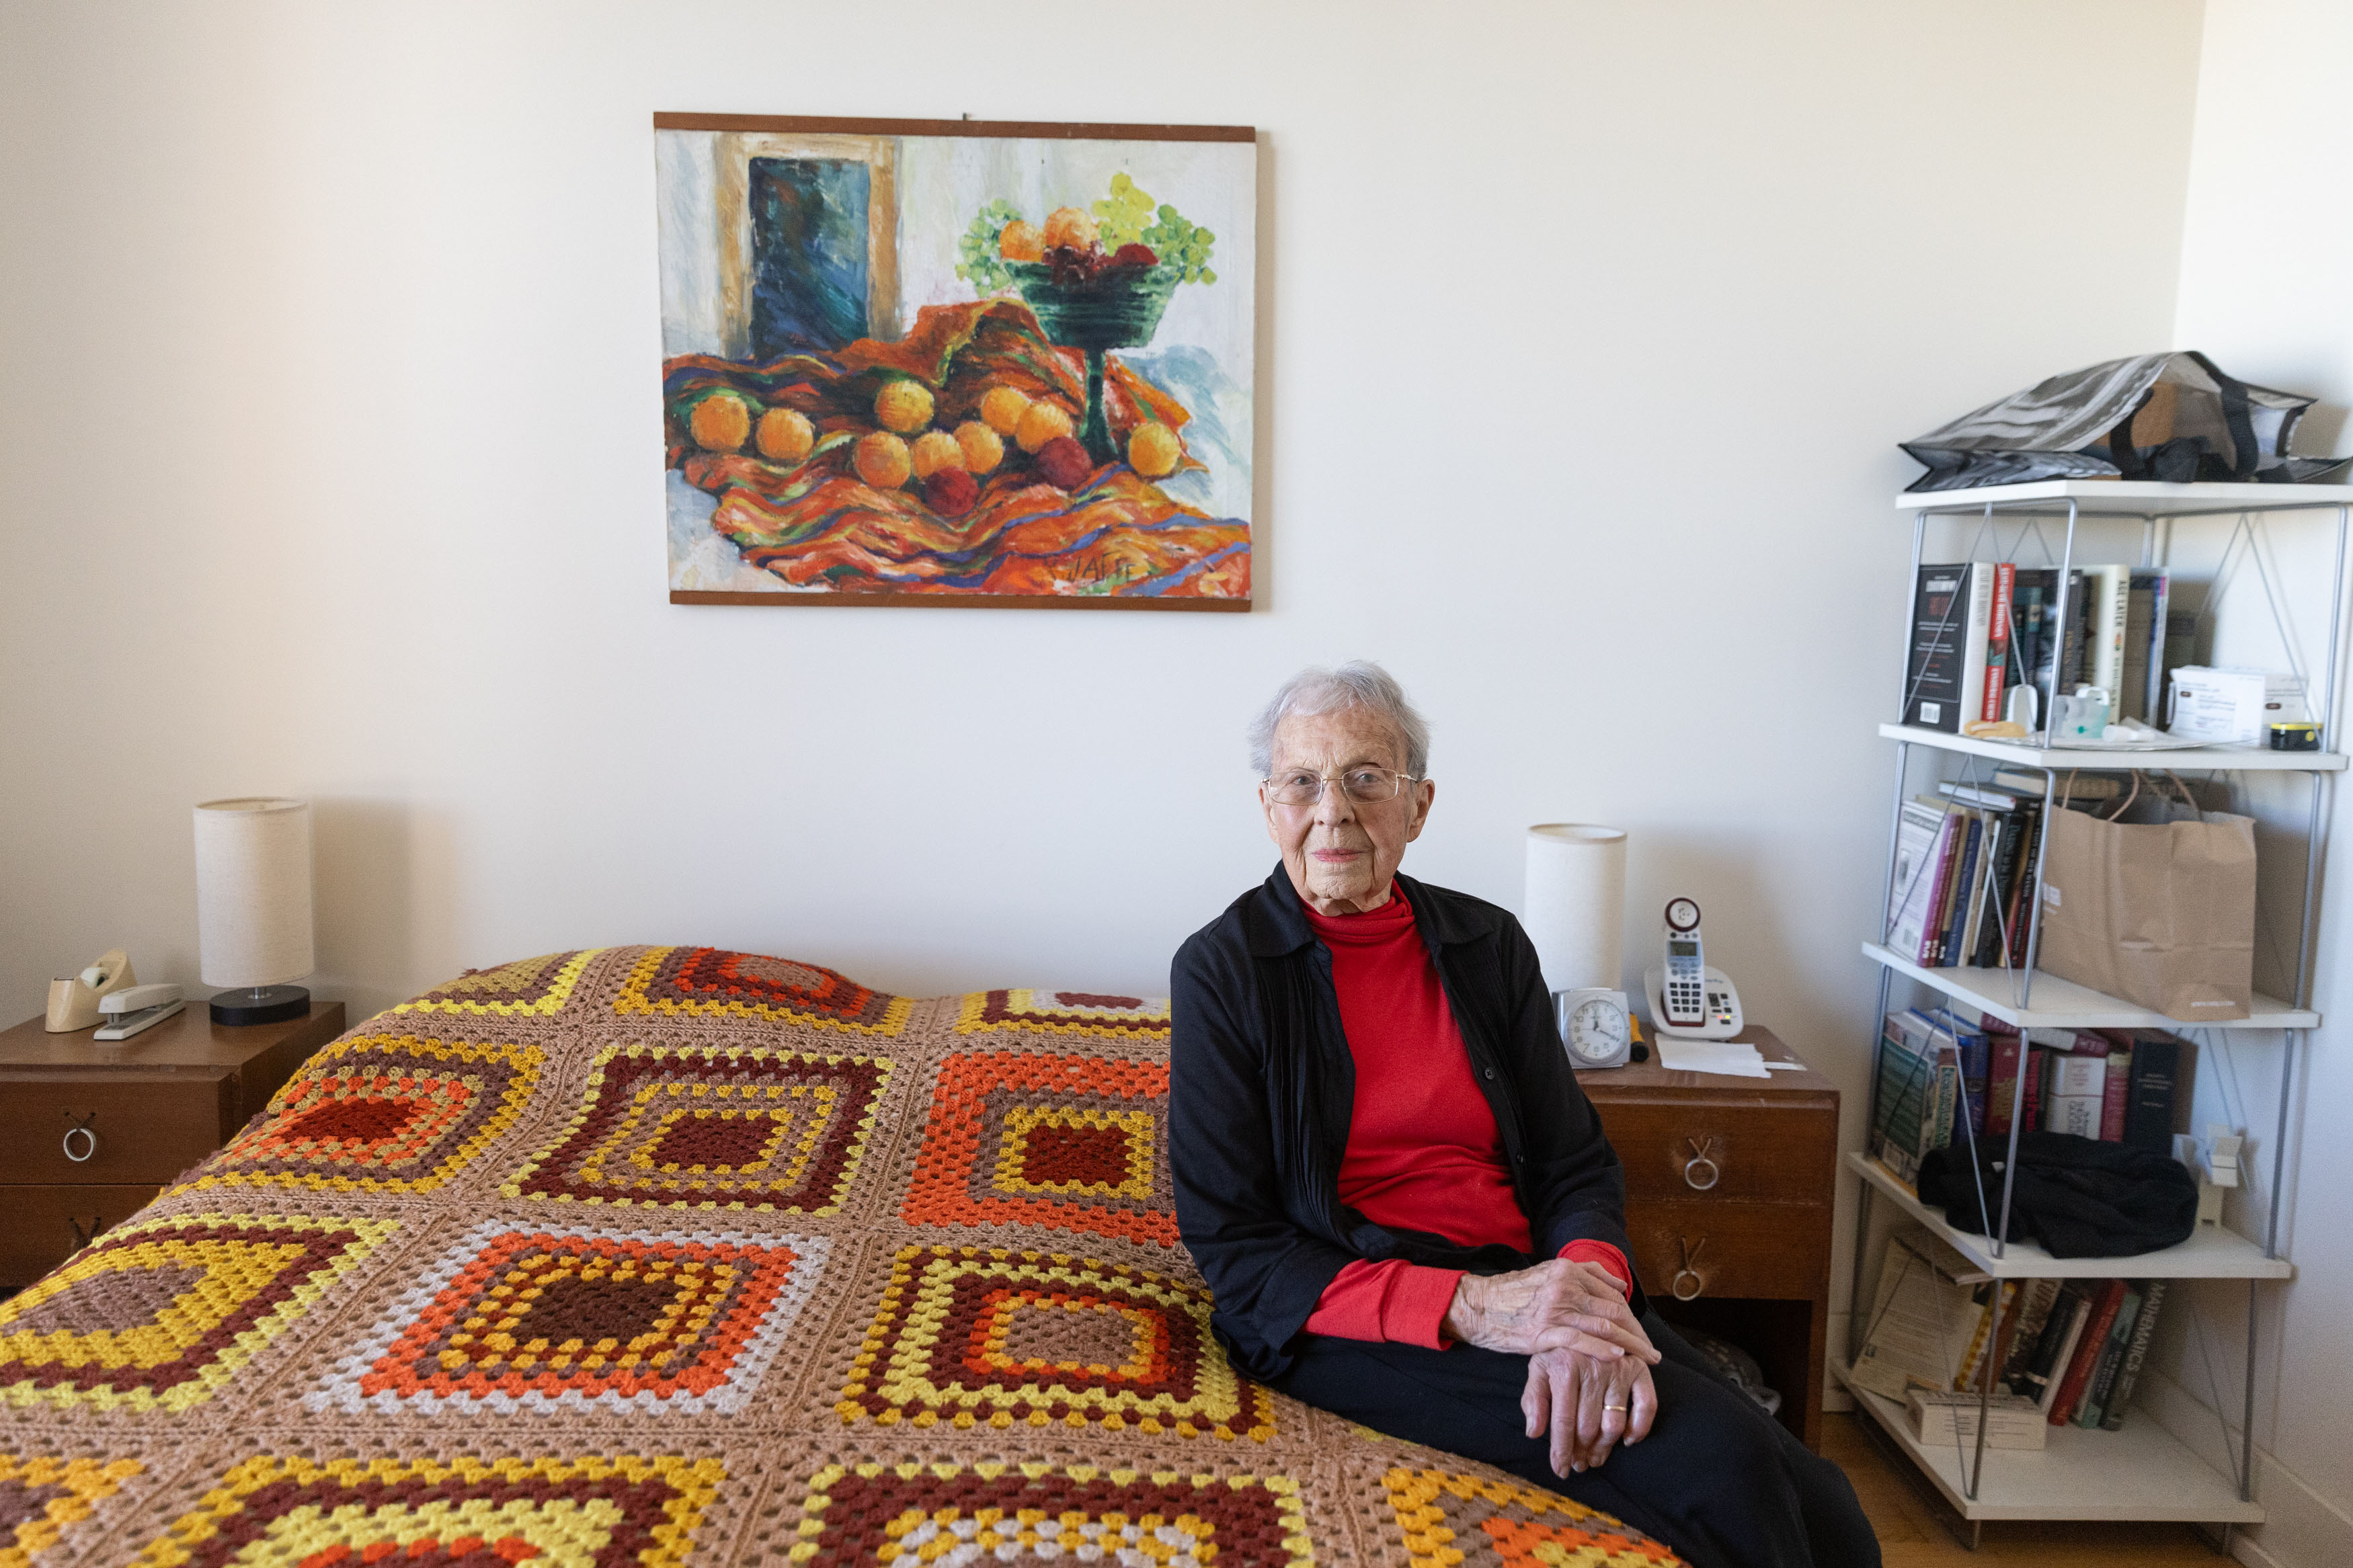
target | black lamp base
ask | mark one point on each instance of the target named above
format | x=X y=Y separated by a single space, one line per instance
x=260 y=1005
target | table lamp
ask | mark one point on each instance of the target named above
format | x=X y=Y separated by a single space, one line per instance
x=1576 y=909
x=253 y=907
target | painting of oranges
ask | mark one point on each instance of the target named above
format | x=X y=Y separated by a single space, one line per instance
x=954 y=363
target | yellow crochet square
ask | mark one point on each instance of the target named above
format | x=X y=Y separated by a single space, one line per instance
x=912 y=1514
x=967 y=1337
x=52 y=1494
x=161 y=1315
x=1023 y=1167
x=529 y=987
x=589 y=1512
x=1064 y=1012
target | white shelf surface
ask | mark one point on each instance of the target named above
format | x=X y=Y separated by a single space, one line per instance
x=2127 y=497
x=2189 y=759
x=2140 y=1471
x=2063 y=1005
x=2212 y=1252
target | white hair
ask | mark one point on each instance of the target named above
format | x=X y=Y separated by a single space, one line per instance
x=1360 y=683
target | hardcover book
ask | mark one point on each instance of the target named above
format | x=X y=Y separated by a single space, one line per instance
x=1952 y=616
x=1914 y=1096
x=2156 y=1097
x=2112 y=1355
x=2152 y=1297
x=2109 y=1296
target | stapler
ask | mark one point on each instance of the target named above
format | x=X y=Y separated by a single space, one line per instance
x=139 y=1007
x=74 y=998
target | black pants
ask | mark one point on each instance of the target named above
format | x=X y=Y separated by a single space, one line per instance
x=1718 y=1479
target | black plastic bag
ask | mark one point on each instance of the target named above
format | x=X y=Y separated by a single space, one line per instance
x=2079 y=1197
x=2174 y=416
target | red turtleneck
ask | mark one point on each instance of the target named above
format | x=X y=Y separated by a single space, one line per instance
x=1423 y=1150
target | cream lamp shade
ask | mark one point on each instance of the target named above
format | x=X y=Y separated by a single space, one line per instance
x=1575 y=906
x=253 y=904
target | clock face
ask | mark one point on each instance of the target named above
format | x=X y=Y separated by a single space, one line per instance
x=1596 y=1030
x=1682 y=914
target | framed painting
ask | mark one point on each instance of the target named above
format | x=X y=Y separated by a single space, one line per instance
x=956 y=362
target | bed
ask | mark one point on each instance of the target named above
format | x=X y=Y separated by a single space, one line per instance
x=679 y=1256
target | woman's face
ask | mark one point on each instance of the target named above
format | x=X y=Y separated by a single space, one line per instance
x=1341 y=853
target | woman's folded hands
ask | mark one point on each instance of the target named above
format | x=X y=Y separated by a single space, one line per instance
x=1555 y=1306
x=1588 y=1360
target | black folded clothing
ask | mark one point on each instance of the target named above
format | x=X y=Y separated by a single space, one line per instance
x=2077 y=1196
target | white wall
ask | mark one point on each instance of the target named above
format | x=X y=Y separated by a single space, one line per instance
x=329 y=445
x=2268 y=250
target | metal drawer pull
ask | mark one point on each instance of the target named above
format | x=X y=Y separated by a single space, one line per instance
x=1691 y=1256
x=1699 y=1148
x=90 y=1139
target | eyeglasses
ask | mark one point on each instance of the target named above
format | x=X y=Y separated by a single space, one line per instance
x=1366 y=786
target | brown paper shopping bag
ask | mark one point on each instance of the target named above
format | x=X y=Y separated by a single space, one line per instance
x=2161 y=914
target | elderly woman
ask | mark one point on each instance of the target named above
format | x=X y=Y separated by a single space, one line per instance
x=1403 y=1201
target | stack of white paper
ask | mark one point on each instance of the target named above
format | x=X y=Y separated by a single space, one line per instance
x=1726 y=1058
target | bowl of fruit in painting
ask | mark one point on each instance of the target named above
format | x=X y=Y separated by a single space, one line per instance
x=1084 y=298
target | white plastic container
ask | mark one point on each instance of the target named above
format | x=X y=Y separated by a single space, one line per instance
x=2230 y=704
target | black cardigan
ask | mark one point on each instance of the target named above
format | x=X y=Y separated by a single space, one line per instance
x=1261 y=1084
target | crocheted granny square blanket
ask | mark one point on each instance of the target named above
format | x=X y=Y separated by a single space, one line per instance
x=673 y=1255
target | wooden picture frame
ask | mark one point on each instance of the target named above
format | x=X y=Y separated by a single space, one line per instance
x=999 y=364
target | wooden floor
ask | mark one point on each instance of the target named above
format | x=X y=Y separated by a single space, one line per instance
x=1912 y=1536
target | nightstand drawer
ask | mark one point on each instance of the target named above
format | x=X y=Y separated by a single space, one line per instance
x=48 y=1224
x=1731 y=1249
x=102 y=1128
x=1739 y=1154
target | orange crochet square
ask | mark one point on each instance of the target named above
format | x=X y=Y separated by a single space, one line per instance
x=1453 y=1521
x=544 y=1320
x=1068 y=1142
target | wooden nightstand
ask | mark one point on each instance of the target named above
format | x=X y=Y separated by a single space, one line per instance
x=1732 y=1179
x=153 y=1104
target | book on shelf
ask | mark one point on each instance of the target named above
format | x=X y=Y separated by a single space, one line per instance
x=2128 y=1086
x=1919 y=833
x=1985 y=795
x=2152 y=1297
x=2057 y=1348
x=2110 y=1360
x=2108 y=1296
x=2004 y=1051
x=1998 y=639
x=1962 y=875
x=1972 y=1053
x=1917 y=1085
x=1942 y=1416
x=2105 y=610
x=2157 y=1092
x=2115 y=1090
x=2074 y=1093
x=2184 y=603
x=2035 y=595
x=2081 y=787
x=1923 y=1288
x=2035 y=1300
x=1998 y=929
x=1952 y=619
x=1988 y=1307
x=2142 y=691
x=1954 y=905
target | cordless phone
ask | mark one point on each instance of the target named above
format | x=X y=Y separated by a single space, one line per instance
x=1687 y=998
x=1684 y=992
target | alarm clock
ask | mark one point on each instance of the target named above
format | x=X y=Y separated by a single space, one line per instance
x=1596 y=1027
